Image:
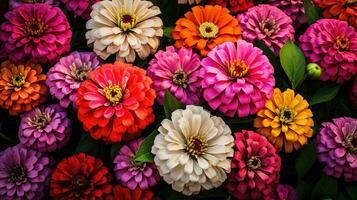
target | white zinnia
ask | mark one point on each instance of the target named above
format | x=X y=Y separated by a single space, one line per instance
x=124 y=28
x=192 y=150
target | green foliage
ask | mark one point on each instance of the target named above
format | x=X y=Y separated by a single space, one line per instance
x=352 y=190
x=306 y=159
x=326 y=187
x=171 y=104
x=89 y=146
x=167 y=31
x=114 y=150
x=144 y=152
x=325 y=94
x=312 y=13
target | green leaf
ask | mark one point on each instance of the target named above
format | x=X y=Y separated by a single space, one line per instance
x=293 y=62
x=114 y=150
x=167 y=31
x=171 y=104
x=326 y=187
x=303 y=189
x=311 y=12
x=144 y=152
x=325 y=94
x=306 y=159
x=89 y=146
x=352 y=190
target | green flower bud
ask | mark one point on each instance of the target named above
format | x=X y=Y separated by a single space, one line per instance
x=313 y=71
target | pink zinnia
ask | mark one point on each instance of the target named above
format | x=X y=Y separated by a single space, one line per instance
x=337 y=147
x=353 y=93
x=332 y=44
x=178 y=71
x=282 y=192
x=238 y=78
x=35 y=32
x=81 y=8
x=292 y=8
x=15 y=3
x=268 y=24
x=255 y=167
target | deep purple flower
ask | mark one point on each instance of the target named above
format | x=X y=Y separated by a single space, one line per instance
x=133 y=174
x=337 y=147
x=45 y=128
x=24 y=174
x=15 y=3
x=65 y=77
x=292 y=8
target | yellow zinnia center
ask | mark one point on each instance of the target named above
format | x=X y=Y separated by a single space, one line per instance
x=238 y=69
x=351 y=1
x=180 y=78
x=208 y=30
x=113 y=93
x=18 y=80
x=351 y=143
x=196 y=145
x=127 y=21
x=268 y=26
x=286 y=115
x=35 y=28
x=342 y=42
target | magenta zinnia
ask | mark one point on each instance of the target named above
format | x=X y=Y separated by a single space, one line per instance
x=292 y=8
x=36 y=33
x=332 y=44
x=238 y=78
x=178 y=71
x=268 y=24
x=81 y=8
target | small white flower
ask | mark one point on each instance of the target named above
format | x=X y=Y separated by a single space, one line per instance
x=124 y=28
x=192 y=150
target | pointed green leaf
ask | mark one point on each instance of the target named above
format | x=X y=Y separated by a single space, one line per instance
x=144 y=152
x=325 y=94
x=171 y=104
x=311 y=12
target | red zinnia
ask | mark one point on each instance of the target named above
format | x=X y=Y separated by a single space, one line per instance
x=235 y=6
x=114 y=103
x=123 y=193
x=81 y=177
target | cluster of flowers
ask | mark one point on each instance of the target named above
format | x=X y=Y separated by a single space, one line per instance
x=213 y=61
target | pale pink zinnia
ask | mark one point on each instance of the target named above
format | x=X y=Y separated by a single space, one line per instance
x=238 y=78
x=178 y=71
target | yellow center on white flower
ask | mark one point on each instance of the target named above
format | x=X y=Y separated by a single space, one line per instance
x=127 y=21
x=113 y=93
x=237 y=69
x=286 y=115
x=18 y=80
x=208 y=30
x=342 y=42
x=197 y=145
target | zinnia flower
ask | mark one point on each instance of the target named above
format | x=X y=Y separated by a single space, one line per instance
x=353 y=93
x=189 y=1
x=15 y=3
x=285 y=120
x=45 y=128
x=178 y=71
x=192 y=150
x=81 y=8
x=331 y=44
x=285 y=192
x=337 y=147
x=203 y=28
x=22 y=87
x=238 y=78
x=114 y=103
x=345 y=10
x=25 y=174
x=122 y=193
x=292 y=8
x=133 y=174
x=255 y=167
x=235 y=6
x=81 y=177
x=268 y=24
x=36 y=33
x=65 y=77
x=133 y=28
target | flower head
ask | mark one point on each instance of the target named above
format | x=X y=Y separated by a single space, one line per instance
x=345 y=10
x=337 y=147
x=238 y=78
x=331 y=44
x=123 y=193
x=65 y=77
x=134 y=174
x=45 y=128
x=192 y=150
x=285 y=120
x=22 y=87
x=80 y=177
x=255 y=167
x=36 y=33
x=133 y=29
x=268 y=24
x=285 y=192
x=81 y=8
x=292 y=8
x=353 y=93
x=203 y=28
x=16 y=3
x=178 y=71
x=114 y=103
x=235 y=6
x=24 y=173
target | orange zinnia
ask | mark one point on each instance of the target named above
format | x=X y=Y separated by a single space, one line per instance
x=345 y=10
x=22 y=87
x=206 y=27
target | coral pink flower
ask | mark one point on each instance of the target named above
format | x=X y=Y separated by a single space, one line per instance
x=238 y=78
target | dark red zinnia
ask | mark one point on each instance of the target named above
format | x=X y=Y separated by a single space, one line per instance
x=123 y=193
x=235 y=6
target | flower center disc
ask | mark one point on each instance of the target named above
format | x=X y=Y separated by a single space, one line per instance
x=208 y=30
x=342 y=42
x=80 y=74
x=286 y=115
x=113 y=93
x=79 y=182
x=40 y=120
x=351 y=143
x=127 y=21
x=180 y=78
x=351 y=1
x=196 y=145
x=18 y=80
x=18 y=174
x=254 y=163
x=268 y=26
x=35 y=28
x=238 y=69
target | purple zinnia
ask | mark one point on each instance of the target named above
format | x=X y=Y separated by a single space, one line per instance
x=45 y=128
x=65 y=77
x=284 y=192
x=178 y=71
x=292 y=8
x=268 y=24
x=24 y=174
x=133 y=174
x=15 y=3
x=337 y=147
